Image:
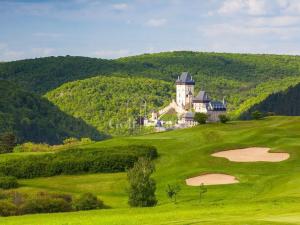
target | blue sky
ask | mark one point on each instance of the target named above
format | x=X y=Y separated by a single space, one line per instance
x=117 y=28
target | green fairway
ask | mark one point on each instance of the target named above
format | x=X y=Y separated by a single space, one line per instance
x=268 y=193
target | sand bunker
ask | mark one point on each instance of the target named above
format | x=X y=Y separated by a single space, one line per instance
x=211 y=179
x=255 y=154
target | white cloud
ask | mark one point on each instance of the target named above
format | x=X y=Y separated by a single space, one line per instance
x=292 y=7
x=120 y=6
x=283 y=3
x=156 y=22
x=253 y=31
x=256 y=7
x=111 y=54
x=276 y=21
x=251 y=7
x=231 y=6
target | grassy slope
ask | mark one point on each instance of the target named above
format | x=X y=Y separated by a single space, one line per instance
x=268 y=193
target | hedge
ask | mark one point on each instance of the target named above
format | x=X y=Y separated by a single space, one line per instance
x=75 y=161
x=8 y=182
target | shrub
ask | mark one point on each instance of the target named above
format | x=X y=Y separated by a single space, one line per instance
x=8 y=182
x=88 y=201
x=45 y=204
x=142 y=187
x=270 y=114
x=85 y=141
x=256 y=115
x=7 y=208
x=74 y=161
x=70 y=140
x=223 y=118
x=32 y=147
x=200 y=118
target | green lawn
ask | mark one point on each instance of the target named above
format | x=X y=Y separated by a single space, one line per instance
x=268 y=193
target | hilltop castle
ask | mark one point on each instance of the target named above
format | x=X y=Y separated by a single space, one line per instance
x=187 y=104
x=186 y=100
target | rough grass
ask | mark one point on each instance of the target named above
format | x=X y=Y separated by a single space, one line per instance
x=268 y=193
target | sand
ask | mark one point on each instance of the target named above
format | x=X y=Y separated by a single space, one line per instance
x=211 y=179
x=255 y=154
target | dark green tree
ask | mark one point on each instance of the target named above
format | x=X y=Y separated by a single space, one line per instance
x=7 y=142
x=256 y=115
x=223 y=118
x=201 y=118
x=141 y=186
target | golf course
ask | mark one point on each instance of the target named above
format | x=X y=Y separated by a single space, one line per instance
x=266 y=192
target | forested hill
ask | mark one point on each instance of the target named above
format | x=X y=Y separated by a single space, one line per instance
x=43 y=74
x=245 y=80
x=209 y=69
x=33 y=118
x=282 y=103
x=112 y=104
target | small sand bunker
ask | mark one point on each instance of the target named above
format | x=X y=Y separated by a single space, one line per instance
x=211 y=179
x=254 y=154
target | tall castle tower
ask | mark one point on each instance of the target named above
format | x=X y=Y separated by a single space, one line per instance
x=185 y=90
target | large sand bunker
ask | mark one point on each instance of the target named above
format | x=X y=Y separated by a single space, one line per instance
x=254 y=154
x=211 y=179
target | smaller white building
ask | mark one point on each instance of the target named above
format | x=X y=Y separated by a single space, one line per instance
x=187 y=120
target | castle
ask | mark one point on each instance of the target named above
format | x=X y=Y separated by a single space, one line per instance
x=187 y=104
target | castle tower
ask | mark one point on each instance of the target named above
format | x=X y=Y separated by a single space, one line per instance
x=184 y=90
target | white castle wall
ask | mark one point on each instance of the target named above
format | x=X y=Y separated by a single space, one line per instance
x=182 y=92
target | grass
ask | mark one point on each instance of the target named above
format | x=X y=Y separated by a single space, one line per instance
x=268 y=193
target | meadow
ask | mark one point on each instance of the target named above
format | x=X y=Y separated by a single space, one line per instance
x=268 y=193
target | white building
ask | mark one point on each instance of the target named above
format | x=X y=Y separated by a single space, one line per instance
x=187 y=104
x=186 y=100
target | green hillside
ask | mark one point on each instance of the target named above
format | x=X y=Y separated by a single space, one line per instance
x=286 y=102
x=44 y=74
x=268 y=193
x=33 y=118
x=245 y=80
x=112 y=104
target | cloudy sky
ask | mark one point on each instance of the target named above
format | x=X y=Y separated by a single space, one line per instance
x=113 y=28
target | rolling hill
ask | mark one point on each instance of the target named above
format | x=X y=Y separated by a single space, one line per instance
x=33 y=118
x=44 y=74
x=245 y=79
x=267 y=192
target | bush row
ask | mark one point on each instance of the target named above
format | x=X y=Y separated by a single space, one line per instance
x=42 y=147
x=74 y=161
x=43 y=202
x=8 y=182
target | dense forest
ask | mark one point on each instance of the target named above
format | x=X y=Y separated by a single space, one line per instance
x=112 y=104
x=244 y=79
x=282 y=103
x=33 y=118
x=232 y=70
